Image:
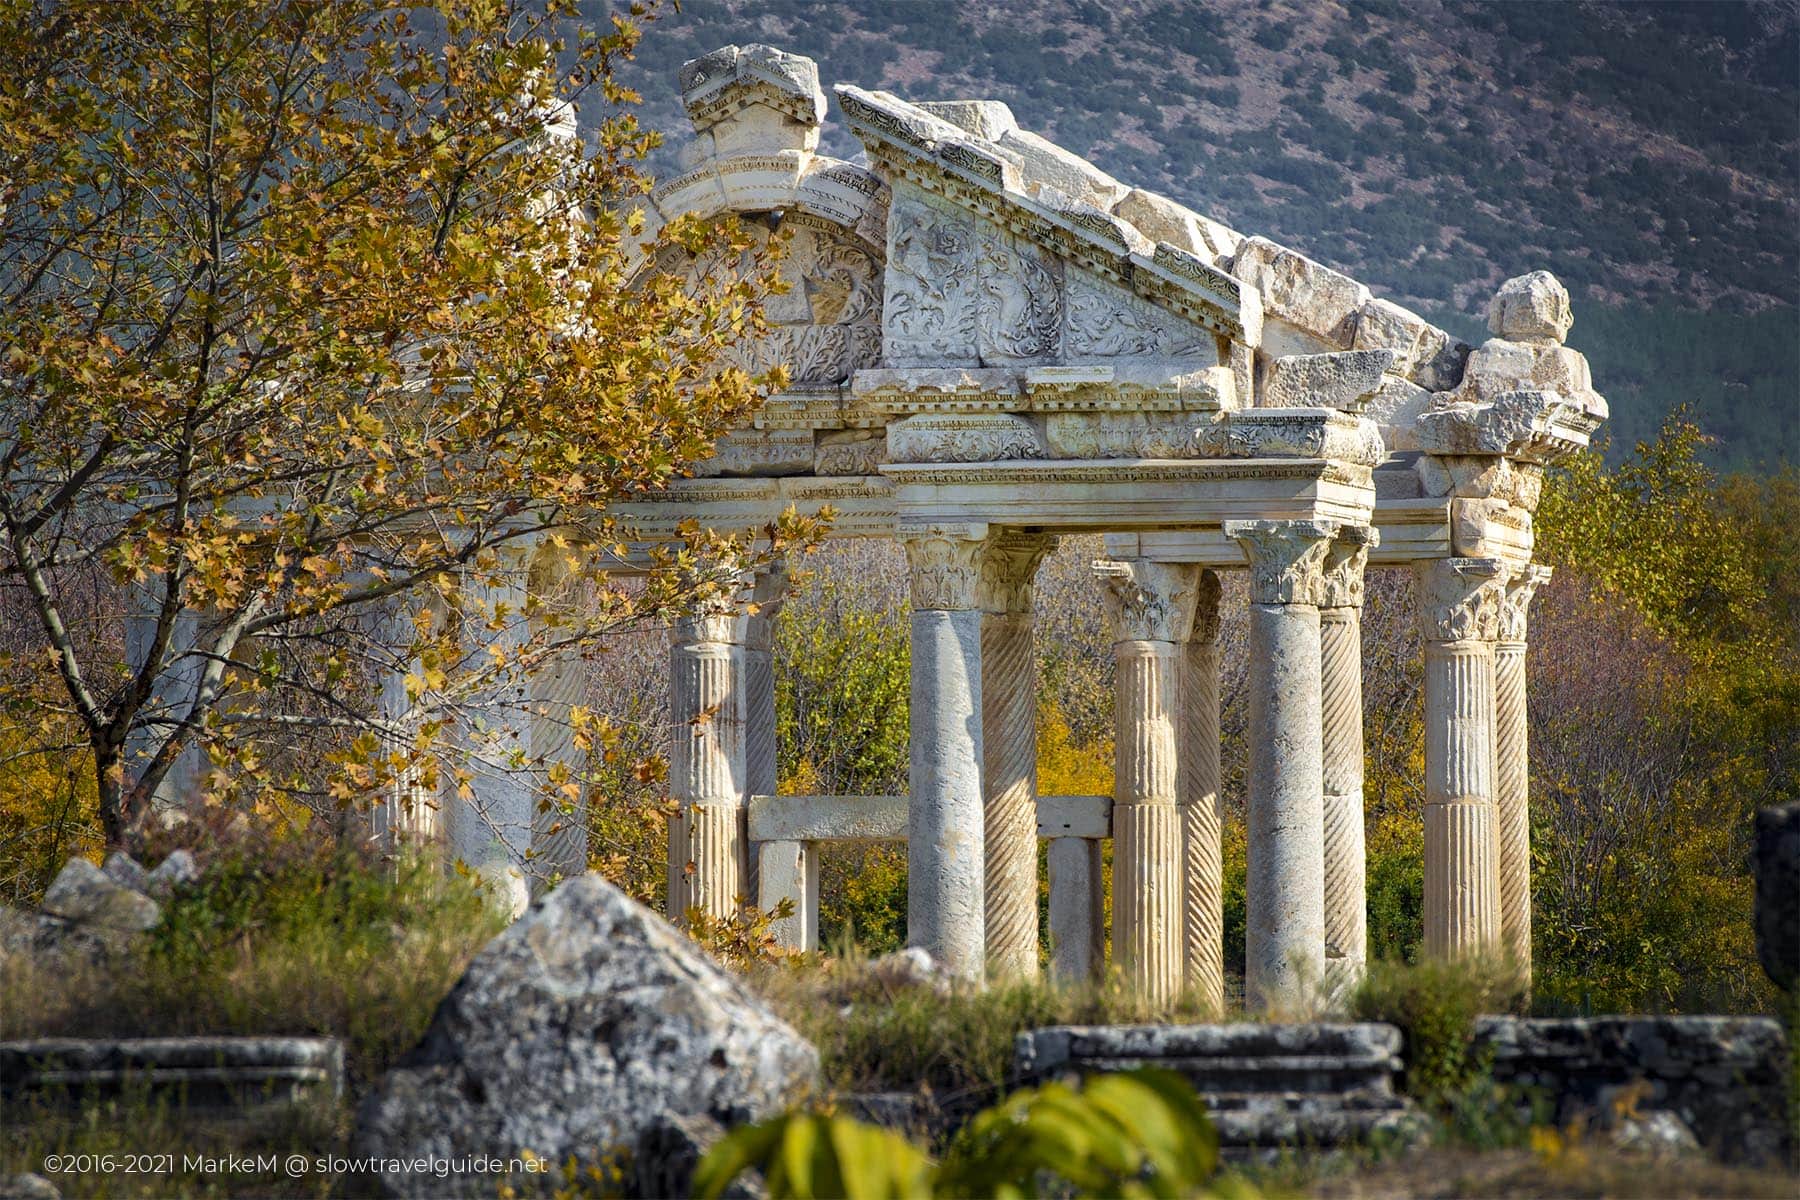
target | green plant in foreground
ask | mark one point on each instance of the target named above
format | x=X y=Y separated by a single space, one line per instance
x=1142 y=1134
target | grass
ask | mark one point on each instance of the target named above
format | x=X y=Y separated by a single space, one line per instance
x=874 y=1036
x=302 y=941
x=288 y=939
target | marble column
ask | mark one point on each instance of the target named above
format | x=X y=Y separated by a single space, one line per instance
x=1150 y=610
x=406 y=814
x=490 y=800
x=757 y=638
x=1512 y=766
x=559 y=823
x=1285 y=889
x=1009 y=752
x=178 y=682
x=709 y=768
x=1202 y=868
x=1459 y=601
x=946 y=856
x=1340 y=654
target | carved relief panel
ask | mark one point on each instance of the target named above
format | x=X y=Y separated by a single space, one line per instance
x=1107 y=322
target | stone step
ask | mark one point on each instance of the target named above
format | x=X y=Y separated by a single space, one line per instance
x=195 y=1072
x=1267 y=1086
x=1317 y=1074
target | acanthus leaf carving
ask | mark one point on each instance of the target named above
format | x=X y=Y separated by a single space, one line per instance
x=945 y=570
x=1287 y=558
x=1341 y=583
x=1009 y=567
x=1103 y=323
x=964 y=438
x=1019 y=303
x=1148 y=601
x=1515 y=603
x=1459 y=598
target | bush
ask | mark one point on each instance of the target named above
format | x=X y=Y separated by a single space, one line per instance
x=1435 y=1005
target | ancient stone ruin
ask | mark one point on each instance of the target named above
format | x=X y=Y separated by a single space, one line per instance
x=992 y=343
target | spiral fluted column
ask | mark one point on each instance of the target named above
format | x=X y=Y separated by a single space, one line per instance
x=1150 y=609
x=1285 y=891
x=1009 y=752
x=1512 y=767
x=1458 y=609
x=756 y=633
x=1202 y=868
x=945 y=834
x=1340 y=653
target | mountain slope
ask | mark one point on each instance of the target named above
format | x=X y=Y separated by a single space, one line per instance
x=1649 y=154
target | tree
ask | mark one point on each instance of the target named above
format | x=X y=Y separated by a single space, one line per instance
x=320 y=333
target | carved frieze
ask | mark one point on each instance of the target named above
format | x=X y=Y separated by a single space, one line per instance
x=1104 y=322
x=1123 y=435
x=1293 y=433
x=1018 y=302
x=760 y=452
x=1459 y=598
x=851 y=452
x=963 y=438
x=1287 y=558
x=929 y=309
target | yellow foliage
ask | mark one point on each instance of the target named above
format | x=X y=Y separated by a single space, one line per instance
x=1068 y=768
x=48 y=814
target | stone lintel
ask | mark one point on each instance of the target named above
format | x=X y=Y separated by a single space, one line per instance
x=1105 y=495
x=883 y=818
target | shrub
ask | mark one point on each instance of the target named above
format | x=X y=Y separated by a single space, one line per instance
x=1435 y=1005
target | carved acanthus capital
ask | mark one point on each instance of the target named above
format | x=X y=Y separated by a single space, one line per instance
x=945 y=562
x=1341 y=582
x=1149 y=601
x=1459 y=598
x=1515 y=604
x=1205 y=629
x=1008 y=567
x=1287 y=558
x=766 y=594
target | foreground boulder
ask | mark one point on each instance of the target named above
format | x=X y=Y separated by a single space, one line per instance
x=587 y=1025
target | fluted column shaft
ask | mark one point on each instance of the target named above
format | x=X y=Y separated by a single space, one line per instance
x=1341 y=714
x=489 y=815
x=708 y=768
x=407 y=814
x=1459 y=599
x=1009 y=753
x=1285 y=894
x=1512 y=767
x=945 y=837
x=1202 y=873
x=1150 y=607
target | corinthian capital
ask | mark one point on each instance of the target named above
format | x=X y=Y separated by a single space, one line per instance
x=1341 y=581
x=1459 y=598
x=1008 y=566
x=1287 y=558
x=1149 y=601
x=1516 y=602
x=946 y=565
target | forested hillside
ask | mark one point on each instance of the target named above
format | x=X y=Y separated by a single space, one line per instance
x=1647 y=153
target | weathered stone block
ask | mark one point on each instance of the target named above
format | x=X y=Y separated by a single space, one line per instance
x=83 y=892
x=1048 y=165
x=1531 y=306
x=189 y=1072
x=988 y=119
x=1723 y=1076
x=1344 y=380
x=587 y=1023
x=1311 y=295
